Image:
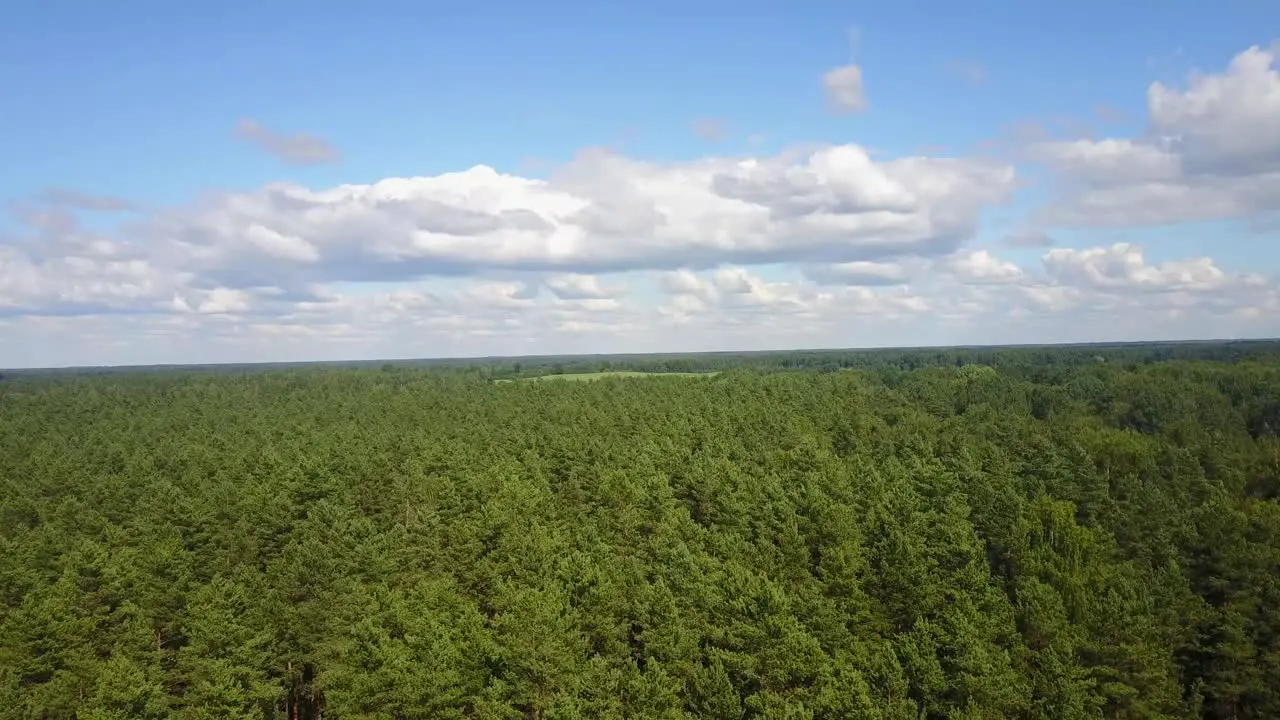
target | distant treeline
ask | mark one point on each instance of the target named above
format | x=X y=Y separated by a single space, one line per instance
x=1033 y=359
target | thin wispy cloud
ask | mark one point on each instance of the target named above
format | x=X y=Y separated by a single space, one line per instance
x=1029 y=239
x=711 y=129
x=76 y=200
x=969 y=72
x=294 y=149
x=845 y=93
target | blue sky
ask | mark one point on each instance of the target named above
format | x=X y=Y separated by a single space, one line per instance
x=141 y=100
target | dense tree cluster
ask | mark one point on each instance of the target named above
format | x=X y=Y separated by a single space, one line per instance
x=1022 y=538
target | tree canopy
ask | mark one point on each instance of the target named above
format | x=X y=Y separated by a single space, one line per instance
x=1024 y=533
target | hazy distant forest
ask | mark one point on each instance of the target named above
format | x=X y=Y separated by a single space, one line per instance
x=1079 y=532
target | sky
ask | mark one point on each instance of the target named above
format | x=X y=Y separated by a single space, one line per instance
x=234 y=182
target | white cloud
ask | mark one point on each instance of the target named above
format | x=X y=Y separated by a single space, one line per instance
x=1086 y=294
x=1124 y=266
x=498 y=295
x=1229 y=122
x=82 y=284
x=285 y=247
x=1110 y=162
x=735 y=297
x=859 y=272
x=575 y=286
x=981 y=267
x=1210 y=151
x=602 y=212
x=223 y=300
x=973 y=267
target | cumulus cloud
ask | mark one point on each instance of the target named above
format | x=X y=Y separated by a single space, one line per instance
x=1224 y=123
x=75 y=284
x=602 y=212
x=735 y=292
x=1105 y=293
x=1211 y=150
x=294 y=149
x=1124 y=266
x=981 y=267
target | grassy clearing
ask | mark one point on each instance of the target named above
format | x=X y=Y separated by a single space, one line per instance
x=577 y=377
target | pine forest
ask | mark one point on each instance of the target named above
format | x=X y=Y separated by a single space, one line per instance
x=1070 y=532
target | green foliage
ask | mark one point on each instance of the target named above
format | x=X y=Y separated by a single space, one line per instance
x=1014 y=533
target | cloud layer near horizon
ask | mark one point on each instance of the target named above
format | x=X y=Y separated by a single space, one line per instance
x=815 y=246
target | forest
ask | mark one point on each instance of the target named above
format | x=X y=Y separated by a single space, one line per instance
x=1078 y=532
